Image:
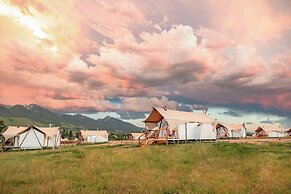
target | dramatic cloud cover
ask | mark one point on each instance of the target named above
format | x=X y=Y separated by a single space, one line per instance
x=127 y=56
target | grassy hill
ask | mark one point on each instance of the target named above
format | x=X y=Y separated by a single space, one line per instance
x=25 y=115
x=18 y=121
x=191 y=168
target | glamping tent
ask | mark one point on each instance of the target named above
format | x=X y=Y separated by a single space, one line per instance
x=135 y=136
x=53 y=136
x=270 y=130
x=237 y=131
x=91 y=136
x=231 y=131
x=30 y=137
x=165 y=125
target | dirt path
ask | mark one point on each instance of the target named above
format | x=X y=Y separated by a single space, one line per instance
x=257 y=140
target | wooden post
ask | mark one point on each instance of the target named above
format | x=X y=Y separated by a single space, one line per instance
x=167 y=138
x=185 y=133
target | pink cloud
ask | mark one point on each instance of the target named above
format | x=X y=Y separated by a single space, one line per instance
x=249 y=21
x=72 y=55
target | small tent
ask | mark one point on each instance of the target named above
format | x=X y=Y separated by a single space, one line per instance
x=260 y=132
x=237 y=130
x=231 y=131
x=269 y=130
x=170 y=125
x=91 y=136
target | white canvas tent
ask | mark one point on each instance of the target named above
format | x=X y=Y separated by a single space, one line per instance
x=91 y=136
x=177 y=125
x=31 y=137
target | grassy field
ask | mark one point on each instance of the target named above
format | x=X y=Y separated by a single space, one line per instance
x=191 y=168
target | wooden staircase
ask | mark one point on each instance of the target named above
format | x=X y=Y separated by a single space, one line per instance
x=151 y=137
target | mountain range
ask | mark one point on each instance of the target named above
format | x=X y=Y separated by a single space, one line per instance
x=24 y=115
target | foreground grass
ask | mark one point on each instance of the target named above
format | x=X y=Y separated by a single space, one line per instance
x=191 y=168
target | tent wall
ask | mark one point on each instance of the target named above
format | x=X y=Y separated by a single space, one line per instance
x=234 y=134
x=275 y=134
x=53 y=137
x=96 y=139
x=31 y=139
x=54 y=141
x=243 y=132
x=196 y=131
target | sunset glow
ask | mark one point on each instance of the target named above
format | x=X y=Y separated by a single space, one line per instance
x=98 y=56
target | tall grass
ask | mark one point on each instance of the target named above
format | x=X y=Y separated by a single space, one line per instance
x=191 y=168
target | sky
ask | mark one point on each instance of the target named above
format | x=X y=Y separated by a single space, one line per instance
x=121 y=58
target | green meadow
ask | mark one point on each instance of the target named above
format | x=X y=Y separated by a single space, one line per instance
x=191 y=168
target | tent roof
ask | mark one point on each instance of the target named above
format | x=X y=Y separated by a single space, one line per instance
x=175 y=118
x=49 y=131
x=12 y=131
x=234 y=127
x=87 y=133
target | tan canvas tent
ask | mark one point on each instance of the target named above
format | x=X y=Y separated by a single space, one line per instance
x=269 y=130
x=91 y=136
x=31 y=137
x=175 y=118
x=237 y=130
x=53 y=136
x=166 y=125
x=231 y=131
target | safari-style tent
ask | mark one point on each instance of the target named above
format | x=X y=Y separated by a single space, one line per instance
x=237 y=130
x=269 y=130
x=31 y=137
x=164 y=125
x=91 y=136
x=231 y=131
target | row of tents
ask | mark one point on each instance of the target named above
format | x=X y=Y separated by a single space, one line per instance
x=34 y=137
x=164 y=126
